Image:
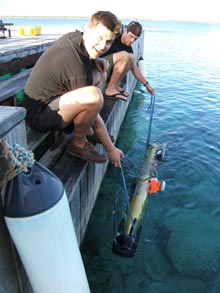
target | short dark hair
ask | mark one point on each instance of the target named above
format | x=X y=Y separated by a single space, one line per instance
x=135 y=28
x=108 y=19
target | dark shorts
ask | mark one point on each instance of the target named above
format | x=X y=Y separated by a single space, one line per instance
x=43 y=117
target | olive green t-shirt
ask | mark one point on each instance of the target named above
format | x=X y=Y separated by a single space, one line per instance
x=63 y=67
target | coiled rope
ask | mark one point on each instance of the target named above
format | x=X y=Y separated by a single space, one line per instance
x=14 y=159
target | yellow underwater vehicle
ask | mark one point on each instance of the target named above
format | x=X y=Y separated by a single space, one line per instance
x=127 y=236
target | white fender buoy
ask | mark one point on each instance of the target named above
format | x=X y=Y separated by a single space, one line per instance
x=141 y=66
x=38 y=218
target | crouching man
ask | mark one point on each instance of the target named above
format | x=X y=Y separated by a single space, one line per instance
x=64 y=87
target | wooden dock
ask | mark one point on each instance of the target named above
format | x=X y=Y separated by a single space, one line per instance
x=81 y=179
x=22 y=51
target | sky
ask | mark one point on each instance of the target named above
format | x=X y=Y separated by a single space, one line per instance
x=187 y=10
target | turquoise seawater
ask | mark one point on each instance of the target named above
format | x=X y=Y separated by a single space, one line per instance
x=179 y=245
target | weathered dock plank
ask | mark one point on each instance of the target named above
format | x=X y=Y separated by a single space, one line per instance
x=19 y=52
x=13 y=84
x=12 y=125
x=19 y=47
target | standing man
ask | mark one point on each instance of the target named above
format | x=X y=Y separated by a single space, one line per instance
x=121 y=60
x=63 y=87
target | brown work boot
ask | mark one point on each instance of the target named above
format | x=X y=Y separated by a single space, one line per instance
x=87 y=153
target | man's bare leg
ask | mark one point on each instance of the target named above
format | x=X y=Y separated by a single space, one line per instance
x=121 y=66
x=81 y=107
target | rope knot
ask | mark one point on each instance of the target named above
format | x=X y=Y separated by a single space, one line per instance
x=14 y=159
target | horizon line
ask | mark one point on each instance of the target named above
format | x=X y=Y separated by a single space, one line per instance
x=124 y=18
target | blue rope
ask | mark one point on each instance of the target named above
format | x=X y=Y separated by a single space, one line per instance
x=127 y=201
x=115 y=201
x=151 y=108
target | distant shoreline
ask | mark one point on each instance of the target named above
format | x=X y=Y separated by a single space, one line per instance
x=20 y=16
x=122 y=18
